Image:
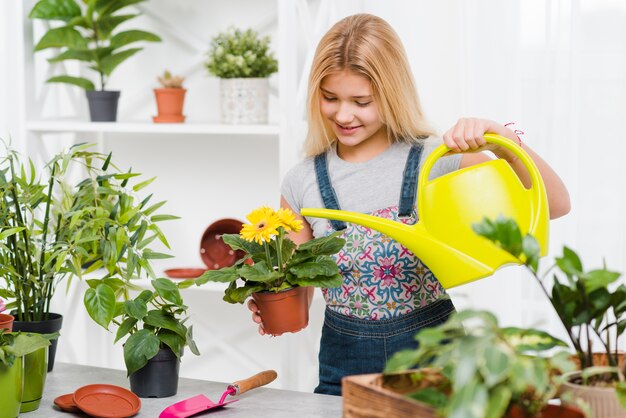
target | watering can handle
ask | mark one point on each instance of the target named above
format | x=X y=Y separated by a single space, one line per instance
x=537 y=188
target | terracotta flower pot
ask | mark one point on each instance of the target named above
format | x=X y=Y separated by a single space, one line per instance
x=6 y=321
x=550 y=411
x=285 y=311
x=170 y=104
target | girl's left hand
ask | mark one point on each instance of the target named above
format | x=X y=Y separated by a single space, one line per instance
x=467 y=136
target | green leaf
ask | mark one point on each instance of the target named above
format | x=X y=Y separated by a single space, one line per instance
x=159 y=218
x=27 y=343
x=109 y=63
x=143 y=184
x=107 y=7
x=172 y=340
x=599 y=279
x=330 y=282
x=124 y=38
x=569 y=263
x=159 y=319
x=153 y=255
x=240 y=294
x=532 y=252
x=63 y=10
x=190 y=342
x=495 y=366
x=77 y=81
x=236 y=242
x=139 y=348
x=167 y=290
x=620 y=390
x=430 y=396
x=135 y=308
x=100 y=304
x=530 y=339
x=321 y=266
x=73 y=54
x=106 y=24
x=223 y=275
x=259 y=272
x=125 y=327
x=327 y=245
x=499 y=399
x=63 y=37
x=10 y=231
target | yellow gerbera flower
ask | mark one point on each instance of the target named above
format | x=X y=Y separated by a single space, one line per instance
x=263 y=225
x=287 y=219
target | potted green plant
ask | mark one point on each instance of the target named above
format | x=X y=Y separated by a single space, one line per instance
x=51 y=231
x=88 y=32
x=243 y=62
x=275 y=271
x=154 y=322
x=170 y=99
x=13 y=349
x=471 y=367
x=590 y=305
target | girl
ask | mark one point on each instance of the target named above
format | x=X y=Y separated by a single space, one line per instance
x=366 y=141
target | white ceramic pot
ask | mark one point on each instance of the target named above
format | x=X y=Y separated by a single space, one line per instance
x=601 y=400
x=244 y=100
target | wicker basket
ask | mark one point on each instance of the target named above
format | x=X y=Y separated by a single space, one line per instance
x=366 y=396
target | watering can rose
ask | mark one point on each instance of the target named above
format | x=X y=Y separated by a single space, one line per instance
x=272 y=261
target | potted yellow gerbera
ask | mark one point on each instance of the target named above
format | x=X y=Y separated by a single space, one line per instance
x=274 y=270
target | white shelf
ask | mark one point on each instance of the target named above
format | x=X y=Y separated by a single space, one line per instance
x=71 y=126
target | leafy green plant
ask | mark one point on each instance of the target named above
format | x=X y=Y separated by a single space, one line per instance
x=582 y=299
x=86 y=33
x=153 y=320
x=273 y=262
x=240 y=54
x=482 y=369
x=17 y=344
x=50 y=231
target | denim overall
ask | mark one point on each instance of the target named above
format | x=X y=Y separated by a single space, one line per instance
x=356 y=340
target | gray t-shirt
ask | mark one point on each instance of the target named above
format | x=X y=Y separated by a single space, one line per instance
x=360 y=187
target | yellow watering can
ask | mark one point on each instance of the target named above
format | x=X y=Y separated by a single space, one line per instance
x=448 y=206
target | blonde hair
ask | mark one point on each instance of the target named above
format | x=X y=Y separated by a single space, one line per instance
x=368 y=46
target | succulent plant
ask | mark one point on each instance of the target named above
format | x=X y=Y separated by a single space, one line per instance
x=169 y=81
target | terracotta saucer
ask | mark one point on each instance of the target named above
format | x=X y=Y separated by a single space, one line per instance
x=184 y=273
x=106 y=401
x=66 y=403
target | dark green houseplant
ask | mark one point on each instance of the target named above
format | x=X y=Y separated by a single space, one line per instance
x=591 y=305
x=155 y=323
x=51 y=232
x=88 y=31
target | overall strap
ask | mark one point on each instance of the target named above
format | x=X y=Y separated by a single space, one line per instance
x=408 y=195
x=329 y=197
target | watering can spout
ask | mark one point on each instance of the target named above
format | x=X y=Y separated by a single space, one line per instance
x=451 y=266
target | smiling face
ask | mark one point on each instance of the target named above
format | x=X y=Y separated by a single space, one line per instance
x=348 y=104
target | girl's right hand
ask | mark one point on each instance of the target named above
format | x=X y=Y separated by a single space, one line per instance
x=256 y=315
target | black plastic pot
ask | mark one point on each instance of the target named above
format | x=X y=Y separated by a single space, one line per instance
x=158 y=378
x=53 y=324
x=103 y=105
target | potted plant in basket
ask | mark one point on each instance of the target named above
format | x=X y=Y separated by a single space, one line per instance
x=86 y=33
x=170 y=99
x=593 y=315
x=243 y=62
x=13 y=348
x=470 y=367
x=51 y=231
x=154 y=321
x=275 y=271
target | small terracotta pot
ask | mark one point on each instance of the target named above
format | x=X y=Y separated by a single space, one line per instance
x=550 y=411
x=6 y=321
x=285 y=311
x=170 y=104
